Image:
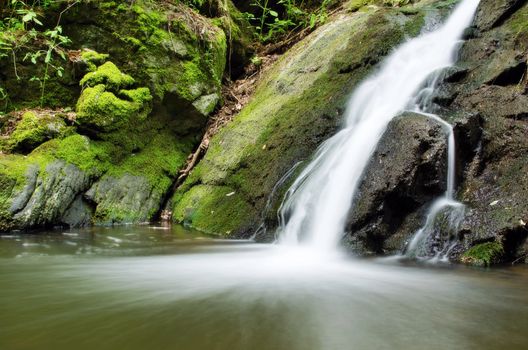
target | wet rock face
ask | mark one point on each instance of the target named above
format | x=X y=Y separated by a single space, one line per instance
x=495 y=185
x=492 y=13
x=407 y=171
x=44 y=199
x=123 y=200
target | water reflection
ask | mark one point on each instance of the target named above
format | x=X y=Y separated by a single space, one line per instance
x=143 y=288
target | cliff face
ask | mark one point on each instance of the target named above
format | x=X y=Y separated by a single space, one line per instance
x=493 y=84
x=138 y=87
x=485 y=98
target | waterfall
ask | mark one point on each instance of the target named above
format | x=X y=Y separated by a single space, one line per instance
x=316 y=206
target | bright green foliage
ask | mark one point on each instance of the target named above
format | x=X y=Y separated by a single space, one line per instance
x=484 y=254
x=22 y=30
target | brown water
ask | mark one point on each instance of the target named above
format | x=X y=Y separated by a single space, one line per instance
x=150 y=288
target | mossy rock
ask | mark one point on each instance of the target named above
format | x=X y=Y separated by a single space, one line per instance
x=239 y=33
x=212 y=209
x=33 y=129
x=484 y=254
x=175 y=52
x=295 y=107
x=109 y=75
x=152 y=74
x=104 y=111
x=107 y=105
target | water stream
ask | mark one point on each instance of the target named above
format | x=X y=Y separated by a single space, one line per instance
x=139 y=288
x=317 y=204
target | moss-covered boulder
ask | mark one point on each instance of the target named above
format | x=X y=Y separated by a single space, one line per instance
x=33 y=129
x=114 y=166
x=169 y=48
x=108 y=102
x=484 y=254
x=177 y=53
x=296 y=106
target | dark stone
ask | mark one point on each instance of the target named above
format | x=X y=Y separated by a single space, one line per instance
x=495 y=101
x=79 y=213
x=407 y=171
x=125 y=199
x=492 y=13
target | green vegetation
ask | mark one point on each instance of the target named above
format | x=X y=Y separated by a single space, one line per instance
x=212 y=209
x=33 y=129
x=274 y=19
x=22 y=31
x=106 y=105
x=484 y=254
x=519 y=26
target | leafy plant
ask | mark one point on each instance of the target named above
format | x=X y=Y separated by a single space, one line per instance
x=20 y=30
x=54 y=42
x=272 y=24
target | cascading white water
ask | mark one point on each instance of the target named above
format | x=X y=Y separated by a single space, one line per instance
x=317 y=204
x=454 y=209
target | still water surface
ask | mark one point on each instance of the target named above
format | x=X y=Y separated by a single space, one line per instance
x=153 y=288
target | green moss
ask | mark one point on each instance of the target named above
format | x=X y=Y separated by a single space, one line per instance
x=216 y=55
x=212 y=209
x=518 y=24
x=33 y=130
x=484 y=254
x=93 y=59
x=100 y=109
x=13 y=170
x=139 y=96
x=105 y=105
x=89 y=156
x=355 y=5
x=190 y=83
x=109 y=75
x=158 y=162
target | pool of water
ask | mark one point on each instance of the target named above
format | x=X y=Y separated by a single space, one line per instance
x=170 y=288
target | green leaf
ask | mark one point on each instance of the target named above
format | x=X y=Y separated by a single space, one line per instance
x=274 y=13
x=29 y=16
x=48 y=56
